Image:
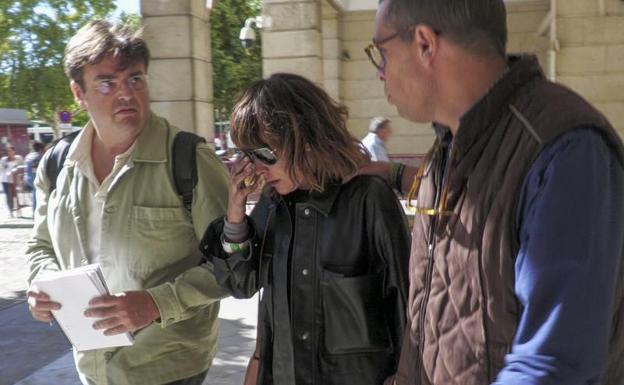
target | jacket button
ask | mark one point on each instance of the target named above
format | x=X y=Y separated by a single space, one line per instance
x=110 y=209
x=84 y=261
x=304 y=272
x=305 y=336
x=108 y=356
x=306 y=212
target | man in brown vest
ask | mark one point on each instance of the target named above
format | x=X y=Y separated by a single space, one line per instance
x=515 y=271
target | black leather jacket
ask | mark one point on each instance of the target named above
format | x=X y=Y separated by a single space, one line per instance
x=341 y=320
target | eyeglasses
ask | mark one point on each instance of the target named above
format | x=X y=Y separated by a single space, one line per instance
x=375 y=53
x=264 y=155
x=136 y=83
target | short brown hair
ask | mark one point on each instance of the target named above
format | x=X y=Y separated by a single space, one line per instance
x=480 y=26
x=98 y=39
x=292 y=115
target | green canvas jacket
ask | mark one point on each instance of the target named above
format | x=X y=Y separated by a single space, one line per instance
x=149 y=241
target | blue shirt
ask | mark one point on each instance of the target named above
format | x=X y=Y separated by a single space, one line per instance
x=570 y=221
x=377 y=148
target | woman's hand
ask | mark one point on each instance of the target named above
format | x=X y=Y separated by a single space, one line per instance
x=243 y=181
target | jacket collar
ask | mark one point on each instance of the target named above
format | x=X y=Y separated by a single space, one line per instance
x=149 y=145
x=321 y=201
x=522 y=70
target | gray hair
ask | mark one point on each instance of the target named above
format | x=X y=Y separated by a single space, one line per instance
x=480 y=26
x=98 y=39
x=378 y=123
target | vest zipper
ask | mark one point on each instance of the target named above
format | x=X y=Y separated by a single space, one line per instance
x=441 y=179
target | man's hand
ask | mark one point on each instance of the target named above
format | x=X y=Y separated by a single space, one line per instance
x=124 y=312
x=40 y=305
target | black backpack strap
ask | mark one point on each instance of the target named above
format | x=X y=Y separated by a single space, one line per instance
x=184 y=165
x=56 y=160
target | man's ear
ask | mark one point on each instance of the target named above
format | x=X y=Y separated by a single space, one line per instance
x=78 y=93
x=427 y=42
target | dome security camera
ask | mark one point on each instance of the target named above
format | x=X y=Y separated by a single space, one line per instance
x=247 y=36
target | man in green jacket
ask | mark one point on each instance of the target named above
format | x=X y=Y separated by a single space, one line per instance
x=115 y=204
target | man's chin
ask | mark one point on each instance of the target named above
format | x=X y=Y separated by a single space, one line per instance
x=130 y=124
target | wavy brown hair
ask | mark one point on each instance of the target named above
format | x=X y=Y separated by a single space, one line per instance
x=303 y=124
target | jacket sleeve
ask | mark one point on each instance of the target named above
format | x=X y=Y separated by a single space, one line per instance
x=570 y=229
x=239 y=272
x=40 y=254
x=391 y=240
x=197 y=287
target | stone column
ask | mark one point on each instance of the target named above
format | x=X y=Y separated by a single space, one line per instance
x=291 y=38
x=180 y=71
x=331 y=50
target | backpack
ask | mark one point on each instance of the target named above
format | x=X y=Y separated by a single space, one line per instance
x=183 y=165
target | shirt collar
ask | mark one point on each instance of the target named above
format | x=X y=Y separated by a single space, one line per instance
x=323 y=201
x=523 y=70
x=148 y=146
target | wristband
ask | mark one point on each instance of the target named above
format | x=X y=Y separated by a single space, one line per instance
x=231 y=247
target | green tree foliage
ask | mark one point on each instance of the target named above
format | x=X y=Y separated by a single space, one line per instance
x=33 y=35
x=234 y=68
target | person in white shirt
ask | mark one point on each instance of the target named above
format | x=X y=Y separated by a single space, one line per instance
x=7 y=166
x=379 y=132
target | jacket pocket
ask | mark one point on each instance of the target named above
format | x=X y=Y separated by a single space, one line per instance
x=158 y=237
x=353 y=315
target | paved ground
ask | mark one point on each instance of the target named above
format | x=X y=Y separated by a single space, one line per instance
x=34 y=353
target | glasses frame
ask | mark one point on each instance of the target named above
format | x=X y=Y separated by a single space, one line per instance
x=264 y=154
x=106 y=90
x=376 y=46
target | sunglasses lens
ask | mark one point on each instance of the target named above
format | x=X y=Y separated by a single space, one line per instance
x=265 y=156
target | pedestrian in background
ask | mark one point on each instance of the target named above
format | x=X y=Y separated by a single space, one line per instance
x=8 y=168
x=328 y=249
x=516 y=268
x=32 y=162
x=379 y=132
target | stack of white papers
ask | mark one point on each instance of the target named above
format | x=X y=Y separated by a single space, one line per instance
x=73 y=289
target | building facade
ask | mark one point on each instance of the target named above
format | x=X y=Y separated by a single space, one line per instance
x=14 y=129
x=580 y=43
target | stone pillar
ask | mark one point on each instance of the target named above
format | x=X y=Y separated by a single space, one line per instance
x=591 y=35
x=180 y=71
x=291 y=38
x=331 y=50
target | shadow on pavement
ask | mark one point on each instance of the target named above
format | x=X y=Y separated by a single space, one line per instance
x=38 y=354
x=12 y=298
x=237 y=341
x=27 y=345
x=15 y=225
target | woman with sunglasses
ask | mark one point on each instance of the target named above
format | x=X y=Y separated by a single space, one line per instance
x=329 y=250
x=8 y=166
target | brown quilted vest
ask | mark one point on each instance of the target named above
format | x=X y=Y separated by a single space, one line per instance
x=462 y=309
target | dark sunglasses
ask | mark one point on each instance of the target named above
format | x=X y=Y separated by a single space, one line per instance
x=264 y=155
